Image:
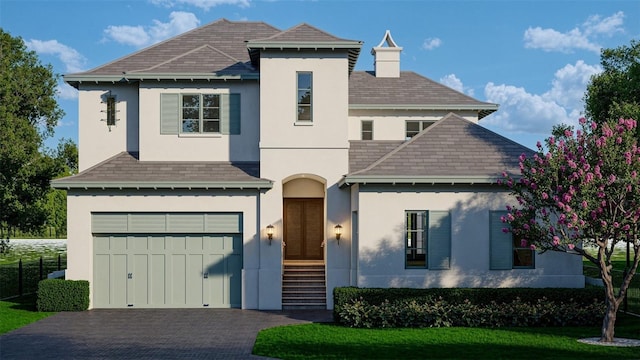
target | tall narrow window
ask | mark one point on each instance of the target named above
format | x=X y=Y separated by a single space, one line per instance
x=414 y=127
x=200 y=113
x=111 y=111
x=305 y=80
x=367 y=129
x=415 y=237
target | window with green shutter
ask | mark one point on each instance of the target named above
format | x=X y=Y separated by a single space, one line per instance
x=428 y=239
x=200 y=114
x=506 y=251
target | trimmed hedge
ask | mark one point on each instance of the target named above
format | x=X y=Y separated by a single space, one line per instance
x=403 y=307
x=63 y=295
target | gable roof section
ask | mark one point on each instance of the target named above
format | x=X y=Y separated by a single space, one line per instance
x=363 y=153
x=453 y=150
x=409 y=91
x=304 y=36
x=208 y=51
x=125 y=171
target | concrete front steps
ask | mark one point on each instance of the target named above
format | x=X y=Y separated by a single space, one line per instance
x=304 y=286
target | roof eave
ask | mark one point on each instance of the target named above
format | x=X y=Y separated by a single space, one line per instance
x=487 y=108
x=161 y=185
x=348 y=180
x=353 y=47
x=77 y=79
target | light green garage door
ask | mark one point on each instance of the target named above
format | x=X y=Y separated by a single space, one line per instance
x=167 y=260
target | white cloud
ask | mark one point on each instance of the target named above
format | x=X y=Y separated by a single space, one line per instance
x=581 y=37
x=72 y=59
x=453 y=82
x=66 y=91
x=202 y=4
x=524 y=112
x=431 y=43
x=140 y=36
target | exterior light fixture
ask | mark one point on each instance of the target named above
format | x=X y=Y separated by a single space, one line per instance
x=270 y=233
x=338 y=230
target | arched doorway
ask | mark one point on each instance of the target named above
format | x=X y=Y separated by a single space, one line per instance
x=304 y=217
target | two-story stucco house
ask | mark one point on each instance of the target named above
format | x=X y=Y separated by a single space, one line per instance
x=239 y=165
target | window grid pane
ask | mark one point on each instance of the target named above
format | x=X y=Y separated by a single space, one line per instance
x=304 y=96
x=201 y=113
x=522 y=256
x=416 y=239
x=367 y=130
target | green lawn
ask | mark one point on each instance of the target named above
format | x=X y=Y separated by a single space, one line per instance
x=19 y=312
x=329 y=341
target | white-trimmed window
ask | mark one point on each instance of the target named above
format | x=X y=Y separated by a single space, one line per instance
x=413 y=127
x=200 y=113
x=366 y=129
x=506 y=250
x=427 y=239
x=305 y=96
x=193 y=113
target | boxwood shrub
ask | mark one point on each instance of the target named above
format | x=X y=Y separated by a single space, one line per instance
x=402 y=307
x=63 y=295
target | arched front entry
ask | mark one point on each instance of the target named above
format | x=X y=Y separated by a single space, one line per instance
x=304 y=217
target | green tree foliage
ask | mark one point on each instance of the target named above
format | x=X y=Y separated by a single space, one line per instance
x=584 y=191
x=28 y=113
x=615 y=93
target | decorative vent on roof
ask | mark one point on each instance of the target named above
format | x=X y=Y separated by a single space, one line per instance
x=386 y=59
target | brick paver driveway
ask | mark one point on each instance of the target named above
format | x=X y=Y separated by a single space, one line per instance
x=148 y=334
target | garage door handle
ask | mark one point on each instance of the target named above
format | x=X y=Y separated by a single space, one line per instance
x=130 y=276
x=206 y=275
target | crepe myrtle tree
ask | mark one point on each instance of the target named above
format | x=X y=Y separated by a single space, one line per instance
x=584 y=191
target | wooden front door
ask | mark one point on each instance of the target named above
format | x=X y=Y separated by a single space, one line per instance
x=303 y=229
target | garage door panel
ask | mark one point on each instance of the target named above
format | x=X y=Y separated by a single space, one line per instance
x=158 y=279
x=101 y=275
x=118 y=243
x=137 y=243
x=176 y=243
x=139 y=282
x=233 y=271
x=194 y=243
x=194 y=279
x=177 y=282
x=156 y=244
x=215 y=282
x=118 y=280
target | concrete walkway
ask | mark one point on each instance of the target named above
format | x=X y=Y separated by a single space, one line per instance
x=148 y=334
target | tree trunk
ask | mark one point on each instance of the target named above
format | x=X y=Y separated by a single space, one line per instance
x=609 y=321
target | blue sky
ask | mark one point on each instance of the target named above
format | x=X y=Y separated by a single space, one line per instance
x=534 y=58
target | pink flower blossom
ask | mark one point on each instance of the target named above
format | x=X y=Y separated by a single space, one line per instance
x=571 y=246
x=523 y=243
x=556 y=241
x=533 y=247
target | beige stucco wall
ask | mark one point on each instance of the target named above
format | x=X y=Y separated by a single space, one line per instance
x=199 y=147
x=381 y=242
x=96 y=142
x=390 y=124
x=81 y=204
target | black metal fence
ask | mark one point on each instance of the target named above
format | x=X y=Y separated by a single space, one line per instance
x=631 y=303
x=22 y=278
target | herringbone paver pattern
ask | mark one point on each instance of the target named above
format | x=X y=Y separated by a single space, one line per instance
x=148 y=334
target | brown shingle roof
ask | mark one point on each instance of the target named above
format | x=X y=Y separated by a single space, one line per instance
x=452 y=147
x=410 y=89
x=302 y=32
x=363 y=153
x=125 y=170
x=225 y=41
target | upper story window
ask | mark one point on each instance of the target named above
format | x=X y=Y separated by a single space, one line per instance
x=507 y=251
x=366 y=129
x=200 y=113
x=414 y=127
x=305 y=96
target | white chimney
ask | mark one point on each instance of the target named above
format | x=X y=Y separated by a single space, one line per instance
x=386 y=61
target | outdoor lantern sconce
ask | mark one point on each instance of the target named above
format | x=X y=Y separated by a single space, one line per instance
x=270 y=233
x=338 y=230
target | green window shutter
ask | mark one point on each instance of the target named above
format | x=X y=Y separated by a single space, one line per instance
x=230 y=114
x=439 y=240
x=169 y=113
x=501 y=245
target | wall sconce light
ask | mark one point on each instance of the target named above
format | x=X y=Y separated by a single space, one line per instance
x=338 y=230
x=270 y=233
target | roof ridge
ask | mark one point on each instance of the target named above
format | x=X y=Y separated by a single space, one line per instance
x=189 y=53
x=295 y=27
x=448 y=87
